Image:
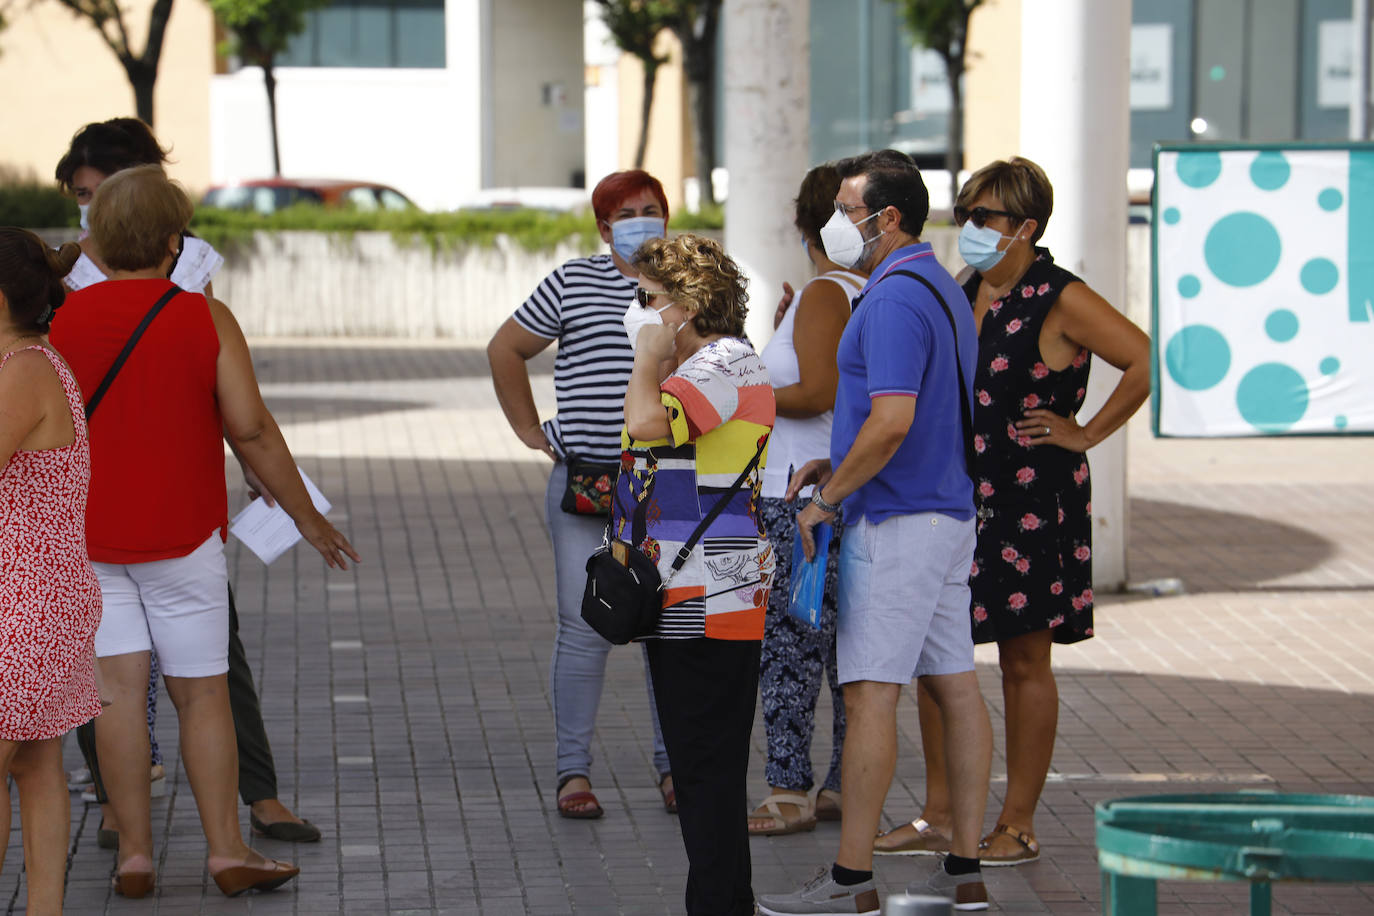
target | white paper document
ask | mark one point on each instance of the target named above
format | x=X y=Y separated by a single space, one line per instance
x=267 y=530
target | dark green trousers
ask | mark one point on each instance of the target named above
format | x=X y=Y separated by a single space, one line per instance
x=257 y=772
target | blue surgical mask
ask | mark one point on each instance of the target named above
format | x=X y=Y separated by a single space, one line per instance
x=978 y=246
x=628 y=234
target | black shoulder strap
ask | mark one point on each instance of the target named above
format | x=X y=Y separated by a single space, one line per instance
x=686 y=550
x=965 y=411
x=109 y=378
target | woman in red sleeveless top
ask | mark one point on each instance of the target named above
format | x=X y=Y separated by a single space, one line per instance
x=158 y=514
x=49 y=597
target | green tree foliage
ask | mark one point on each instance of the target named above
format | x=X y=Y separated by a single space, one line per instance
x=108 y=18
x=261 y=30
x=942 y=26
x=634 y=25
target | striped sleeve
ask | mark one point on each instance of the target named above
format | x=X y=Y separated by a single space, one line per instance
x=542 y=313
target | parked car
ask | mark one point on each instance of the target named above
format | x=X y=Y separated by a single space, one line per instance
x=267 y=195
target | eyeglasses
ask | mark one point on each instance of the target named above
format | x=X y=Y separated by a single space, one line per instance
x=979 y=215
x=645 y=296
x=846 y=209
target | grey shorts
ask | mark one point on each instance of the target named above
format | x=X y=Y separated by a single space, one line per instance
x=904 y=599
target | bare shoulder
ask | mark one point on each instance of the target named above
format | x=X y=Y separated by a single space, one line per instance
x=27 y=367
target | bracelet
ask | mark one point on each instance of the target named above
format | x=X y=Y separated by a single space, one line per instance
x=819 y=502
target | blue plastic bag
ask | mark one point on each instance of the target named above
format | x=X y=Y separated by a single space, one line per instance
x=808 y=578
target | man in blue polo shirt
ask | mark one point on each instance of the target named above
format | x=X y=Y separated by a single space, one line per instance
x=897 y=463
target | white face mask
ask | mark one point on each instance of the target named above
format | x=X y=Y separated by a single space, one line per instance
x=844 y=243
x=85 y=216
x=637 y=318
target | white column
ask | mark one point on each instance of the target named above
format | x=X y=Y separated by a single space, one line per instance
x=1359 y=71
x=767 y=146
x=1075 y=122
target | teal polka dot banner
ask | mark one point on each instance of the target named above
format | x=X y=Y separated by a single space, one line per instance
x=1264 y=291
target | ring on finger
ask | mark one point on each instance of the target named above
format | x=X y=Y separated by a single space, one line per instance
x=1047 y=430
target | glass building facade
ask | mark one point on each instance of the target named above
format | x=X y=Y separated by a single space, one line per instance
x=1214 y=70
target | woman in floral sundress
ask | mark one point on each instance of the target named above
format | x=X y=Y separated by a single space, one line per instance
x=49 y=596
x=1039 y=327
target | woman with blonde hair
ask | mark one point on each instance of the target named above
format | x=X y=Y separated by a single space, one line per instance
x=698 y=412
x=49 y=597
x=158 y=513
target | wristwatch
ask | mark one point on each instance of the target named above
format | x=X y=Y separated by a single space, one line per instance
x=819 y=502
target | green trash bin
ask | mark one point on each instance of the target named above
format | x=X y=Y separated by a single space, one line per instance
x=1259 y=837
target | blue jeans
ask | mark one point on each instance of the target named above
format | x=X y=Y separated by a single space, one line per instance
x=578 y=667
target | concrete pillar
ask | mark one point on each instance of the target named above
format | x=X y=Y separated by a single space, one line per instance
x=767 y=146
x=1359 y=71
x=1075 y=122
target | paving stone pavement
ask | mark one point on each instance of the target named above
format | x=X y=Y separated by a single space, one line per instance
x=408 y=707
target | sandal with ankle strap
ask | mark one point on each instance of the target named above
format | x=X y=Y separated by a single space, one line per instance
x=1029 y=851
x=569 y=805
x=781 y=825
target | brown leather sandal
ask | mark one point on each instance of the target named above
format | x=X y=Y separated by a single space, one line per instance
x=1029 y=851
x=570 y=805
x=920 y=839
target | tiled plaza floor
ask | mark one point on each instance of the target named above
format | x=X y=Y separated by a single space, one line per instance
x=408 y=707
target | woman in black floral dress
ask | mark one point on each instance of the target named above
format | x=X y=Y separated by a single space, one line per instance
x=1039 y=327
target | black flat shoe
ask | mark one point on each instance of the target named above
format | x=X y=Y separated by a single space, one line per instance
x=286 y=831
x=106 y=839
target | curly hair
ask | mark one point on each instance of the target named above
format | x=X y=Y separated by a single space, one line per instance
x=1022 y=186
x=697 y=273
x=108 y=147
x=31 y=277
x=815 y=201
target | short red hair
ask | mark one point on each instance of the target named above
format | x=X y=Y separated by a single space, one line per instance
x=618 y=187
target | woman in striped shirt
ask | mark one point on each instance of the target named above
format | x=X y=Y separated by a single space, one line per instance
x=581 y=305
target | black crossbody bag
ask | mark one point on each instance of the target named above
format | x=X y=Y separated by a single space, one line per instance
x=623 y=597
x=129 y=345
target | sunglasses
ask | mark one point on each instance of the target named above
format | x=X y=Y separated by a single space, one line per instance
x=644 y=296
x=979 y=215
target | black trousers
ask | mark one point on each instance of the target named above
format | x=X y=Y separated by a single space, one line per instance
x=706 y=690
x=257 y=771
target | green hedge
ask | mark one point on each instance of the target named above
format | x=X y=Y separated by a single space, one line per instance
x=534 y=230
x=30 y=204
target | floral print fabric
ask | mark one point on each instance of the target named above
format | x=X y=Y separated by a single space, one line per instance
x=1032 y=568
x=796 y=658
x=49 y=596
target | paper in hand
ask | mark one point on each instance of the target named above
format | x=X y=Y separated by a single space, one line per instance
x=267 y=530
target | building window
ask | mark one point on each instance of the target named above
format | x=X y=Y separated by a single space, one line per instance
x=370 y=33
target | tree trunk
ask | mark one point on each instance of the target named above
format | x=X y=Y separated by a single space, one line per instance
x=702 y=100
x=143 y=80
x=269 y=78
x=650 y=77
x=954 y=152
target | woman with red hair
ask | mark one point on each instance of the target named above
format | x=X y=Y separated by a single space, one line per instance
x=581 y=305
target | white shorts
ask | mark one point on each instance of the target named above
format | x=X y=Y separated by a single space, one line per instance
x=904 y=599
x=178 y=606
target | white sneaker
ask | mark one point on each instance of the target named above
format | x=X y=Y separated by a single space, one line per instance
x=157 y=784
x=78 y=779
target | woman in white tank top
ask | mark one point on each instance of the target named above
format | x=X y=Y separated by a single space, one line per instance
x=796 y=657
